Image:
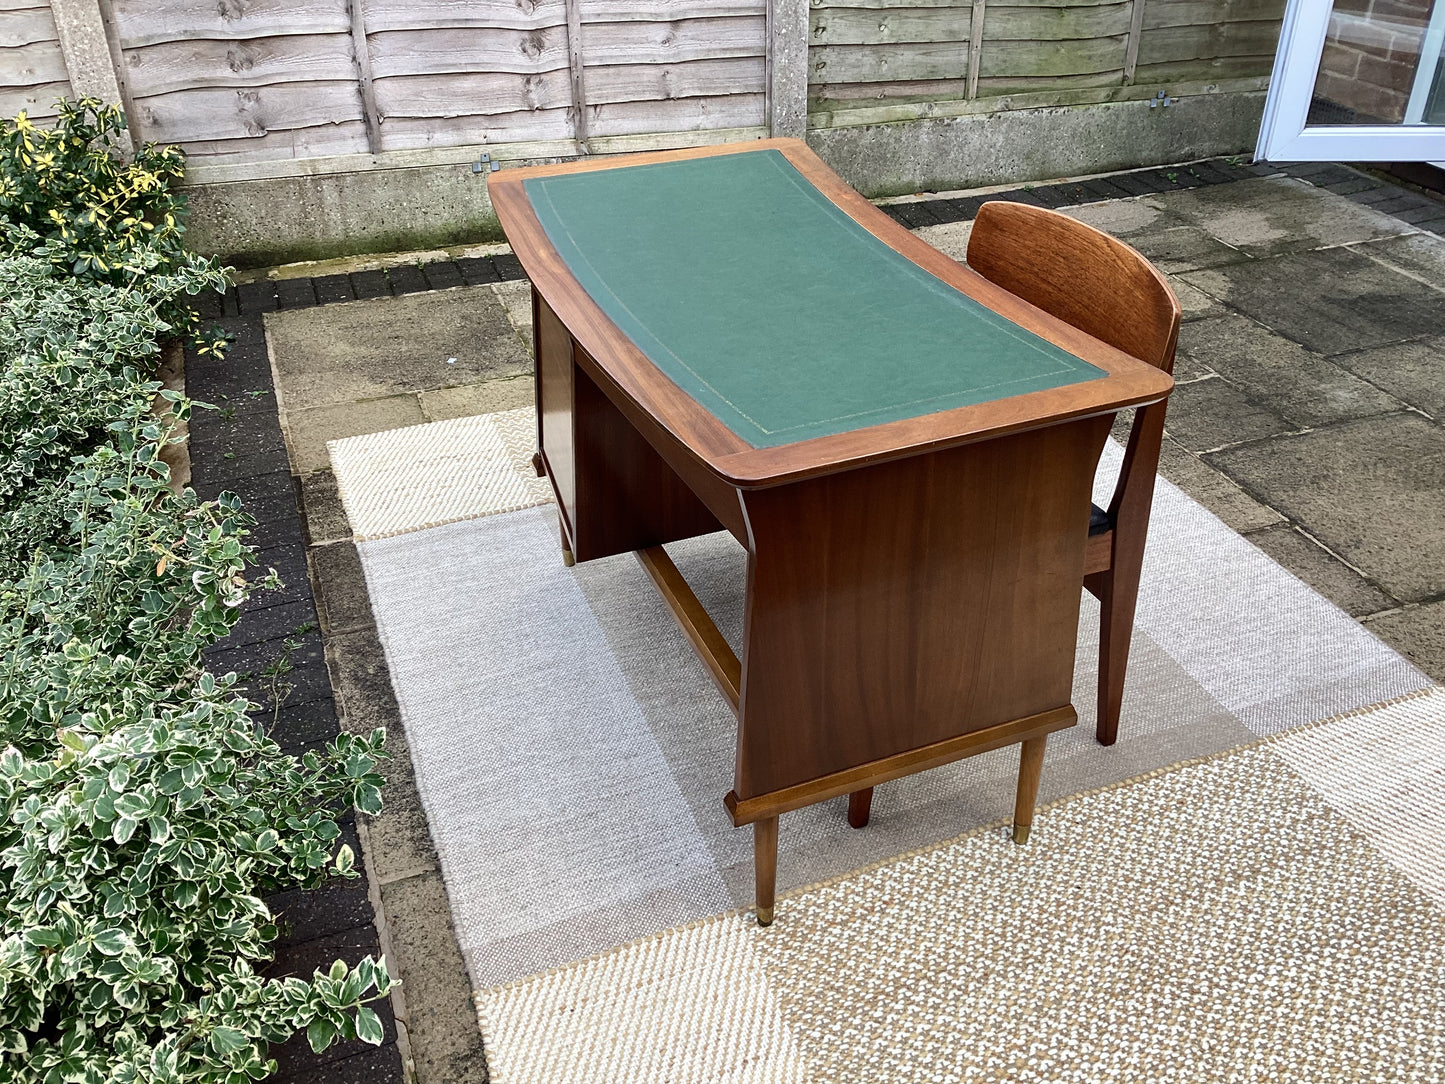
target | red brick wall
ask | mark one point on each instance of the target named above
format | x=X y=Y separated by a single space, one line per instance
x=1370 y=56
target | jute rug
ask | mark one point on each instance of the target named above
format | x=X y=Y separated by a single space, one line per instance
x=572 y=753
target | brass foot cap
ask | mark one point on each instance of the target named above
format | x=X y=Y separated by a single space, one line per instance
x=568 y=559
x=1021 y=833
x=765 y=916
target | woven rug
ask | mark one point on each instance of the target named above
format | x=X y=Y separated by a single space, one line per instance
x=572 y=753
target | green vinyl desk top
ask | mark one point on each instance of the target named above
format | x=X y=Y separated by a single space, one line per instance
x=773 y=308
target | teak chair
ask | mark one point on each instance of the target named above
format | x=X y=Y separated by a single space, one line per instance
x=1100 y=285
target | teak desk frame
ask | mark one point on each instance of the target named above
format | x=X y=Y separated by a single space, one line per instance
x=913 y=588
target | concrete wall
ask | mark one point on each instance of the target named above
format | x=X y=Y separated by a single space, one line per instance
x=260 y=222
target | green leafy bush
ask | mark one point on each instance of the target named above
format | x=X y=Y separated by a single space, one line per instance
x=143 y=814
x=67 y=195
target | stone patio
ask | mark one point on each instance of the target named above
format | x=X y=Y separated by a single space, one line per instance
x=1311 y=384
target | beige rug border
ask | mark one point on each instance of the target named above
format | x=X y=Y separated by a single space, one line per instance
x=972 y=833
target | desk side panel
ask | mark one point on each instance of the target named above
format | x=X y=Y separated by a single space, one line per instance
x=907 y=603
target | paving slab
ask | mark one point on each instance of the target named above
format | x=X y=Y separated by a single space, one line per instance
x=1420 y=254
x=1217 y=492
x=441 y=1015
x=1207 y=414
x=400 y=840
x=1270 y=216
x=1296 y=384
x=1371 y=490
x=516 y=298
x=322 y=513
x=1322 y=570
x=1418 y=633
x=341 y=599
x=1194 y=302
x=372 y=349
x=1170 y=241
x=1414 y=372
x=951 y=238
x=1330 y=300
x=309 y=430
x=487 y=397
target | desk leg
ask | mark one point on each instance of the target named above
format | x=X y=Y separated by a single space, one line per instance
x=860 y=803
x=1031 y=763
x=765 y=867
x=567 y=558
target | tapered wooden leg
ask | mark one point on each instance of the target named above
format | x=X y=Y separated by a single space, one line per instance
x=538 y=465
x=1031 y=763
x=567 y=558
x=1116 y=629
x=860 y=802
x=765 y=867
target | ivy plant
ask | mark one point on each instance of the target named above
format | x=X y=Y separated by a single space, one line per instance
x=144 y=814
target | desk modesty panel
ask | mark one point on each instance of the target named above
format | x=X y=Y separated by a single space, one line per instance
x=775 y=310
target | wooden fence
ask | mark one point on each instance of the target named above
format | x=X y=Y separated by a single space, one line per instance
x=248 y=86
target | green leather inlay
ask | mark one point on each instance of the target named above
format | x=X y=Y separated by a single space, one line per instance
x=775 y=310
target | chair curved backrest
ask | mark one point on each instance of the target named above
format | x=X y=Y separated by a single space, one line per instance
x=1080 y=275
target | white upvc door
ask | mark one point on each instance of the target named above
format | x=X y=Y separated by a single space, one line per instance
x=1357 y=81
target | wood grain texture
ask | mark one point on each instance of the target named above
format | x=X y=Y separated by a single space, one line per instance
x=665 y=42
x=874 y=638
x=38 y=101
x=348 y=138
x=215 y=113
x=33 y=64
x=663 y=82
x=27 y=25
x=399 y=132
x=749 y=811
x=430 y=52
x=293 y=58
x=615 y=492
x=861 y=26
x=1031 y=766
x=472 y=94
x=147 y=22
x=677 y=115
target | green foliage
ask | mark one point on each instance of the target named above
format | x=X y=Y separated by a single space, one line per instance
x=67 y=194
x=143 y=813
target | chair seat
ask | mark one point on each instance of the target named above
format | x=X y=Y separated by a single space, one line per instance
x=1098 y=520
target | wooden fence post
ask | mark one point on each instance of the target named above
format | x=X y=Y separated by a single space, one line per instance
x=975 y=47
x=786 y=78
x=1131 y=52
x=574 y=71
x=371 y=115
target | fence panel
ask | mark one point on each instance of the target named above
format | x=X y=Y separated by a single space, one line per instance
x=861 y=50
x=242 y=79
x=32 y=68
x=1193 y=40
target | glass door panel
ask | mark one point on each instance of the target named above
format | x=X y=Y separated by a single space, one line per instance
x=1358 y=80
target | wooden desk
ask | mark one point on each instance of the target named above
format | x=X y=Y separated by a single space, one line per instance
x=731 y=338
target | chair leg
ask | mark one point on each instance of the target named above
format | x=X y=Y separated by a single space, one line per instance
x=860 y=803
x=765 y=867
x=1116 y=629
x=1031 y=764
